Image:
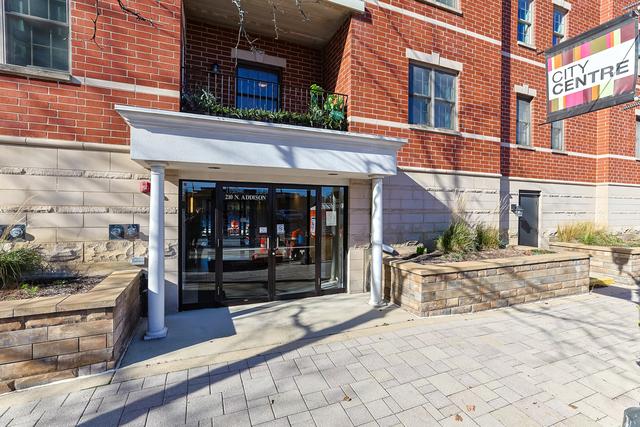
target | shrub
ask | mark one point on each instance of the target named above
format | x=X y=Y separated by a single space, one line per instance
x=459 y=237
x=587 y=233
x=14 y=263
x=487 y=237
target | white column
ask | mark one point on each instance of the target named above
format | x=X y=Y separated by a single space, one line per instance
x=376 y=241
x=155 y=321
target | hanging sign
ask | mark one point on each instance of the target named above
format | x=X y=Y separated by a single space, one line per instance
x=595 y=70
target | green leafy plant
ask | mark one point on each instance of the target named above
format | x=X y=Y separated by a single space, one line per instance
x=420 y=250
x=459 y=237
x=324 y=111
x=31 y=290
x=16 y=262
x=487 y=237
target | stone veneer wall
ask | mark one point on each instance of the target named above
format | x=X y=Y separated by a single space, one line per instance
x=51 y=338
x=462 y=287
x=619 y=263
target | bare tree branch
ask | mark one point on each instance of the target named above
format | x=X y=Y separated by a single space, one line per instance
x=301 y=10
x=242 y=32
x=274 y=10
x=95 y=23
x=126 y=9
x=135 y=13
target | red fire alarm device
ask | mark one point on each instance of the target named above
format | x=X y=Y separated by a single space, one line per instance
x=145 y=187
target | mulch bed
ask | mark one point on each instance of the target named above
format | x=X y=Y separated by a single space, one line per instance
x=51 y=287
x=437 y=257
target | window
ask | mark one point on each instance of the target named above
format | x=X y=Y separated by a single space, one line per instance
x=638 y=137
x=525 y=21
x=257 y=88
x=523 y=121
x=557 y=135
x=559 y=25
x=36 y=33
x=449 y=3
x=432 y=97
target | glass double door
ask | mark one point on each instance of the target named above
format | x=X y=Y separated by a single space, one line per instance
x=244 y=243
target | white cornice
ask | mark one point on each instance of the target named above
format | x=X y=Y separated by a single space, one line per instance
x=200 y=141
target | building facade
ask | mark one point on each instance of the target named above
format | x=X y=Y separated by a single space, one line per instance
x=260 y=159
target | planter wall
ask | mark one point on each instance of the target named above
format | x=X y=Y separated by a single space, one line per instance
x=51 y=338
x=462 y=287
x=619 y=263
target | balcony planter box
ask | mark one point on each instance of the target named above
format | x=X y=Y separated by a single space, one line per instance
x=620 y=263
x=46 y=339
x=469 y=286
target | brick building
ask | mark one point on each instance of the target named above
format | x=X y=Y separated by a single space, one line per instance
x=443 y=101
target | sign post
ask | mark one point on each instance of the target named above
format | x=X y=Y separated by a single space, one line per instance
x=595 y=70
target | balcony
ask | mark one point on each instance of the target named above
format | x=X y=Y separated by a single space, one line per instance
x=266 y=100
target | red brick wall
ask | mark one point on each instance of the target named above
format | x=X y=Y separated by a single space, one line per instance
x=487 y=102
x=125 y=50
x=207 y=44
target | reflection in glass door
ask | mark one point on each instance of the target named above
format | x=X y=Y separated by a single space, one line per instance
x=295 y=241
x=258 y=242
x=198 y=238
x=245 y=242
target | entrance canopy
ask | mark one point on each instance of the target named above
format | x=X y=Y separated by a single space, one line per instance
x=192 y=140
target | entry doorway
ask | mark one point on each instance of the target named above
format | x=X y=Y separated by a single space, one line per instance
x=528 y=224
x=243 y=243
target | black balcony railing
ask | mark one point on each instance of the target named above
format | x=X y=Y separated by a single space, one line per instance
x=268 y=101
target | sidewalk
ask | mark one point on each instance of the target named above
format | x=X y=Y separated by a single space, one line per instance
x=565 y=362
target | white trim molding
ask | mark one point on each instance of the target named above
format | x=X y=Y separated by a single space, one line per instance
x=62 y=144
x=186 y=140
x=562 y=4
x=258 y=57
x=127 y=87
x=433 y=59
x=525 y=90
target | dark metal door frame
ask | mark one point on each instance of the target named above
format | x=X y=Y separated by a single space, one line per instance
x=219 y=200
x=532 y=194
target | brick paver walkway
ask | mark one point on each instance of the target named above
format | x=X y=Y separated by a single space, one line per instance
x=568 y=362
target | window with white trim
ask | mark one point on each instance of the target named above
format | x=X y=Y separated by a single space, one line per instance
x=35 y=33
x=432 y=97
x=557 y=135
x=523 y=121
x=449 y=3
x=559 y=25
x=525 y=21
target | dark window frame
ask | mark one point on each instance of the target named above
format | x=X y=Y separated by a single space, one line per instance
x=264 y=68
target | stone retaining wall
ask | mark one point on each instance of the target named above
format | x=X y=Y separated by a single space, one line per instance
x=462 y=287
x=619 y=263
x=46 y=339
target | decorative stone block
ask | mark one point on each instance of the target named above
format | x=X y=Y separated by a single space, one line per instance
x=54 y=348
x=462 y=287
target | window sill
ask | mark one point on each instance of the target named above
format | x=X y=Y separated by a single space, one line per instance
x=439 y=5
x=525 y=147
x=39 y=73
x=527 y=46
x=561 y=152
x=424 y=128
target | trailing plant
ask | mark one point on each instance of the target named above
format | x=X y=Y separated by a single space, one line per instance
x=329 y=114
x=487 y=237
x=16 y=262
x=459 y=237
